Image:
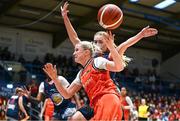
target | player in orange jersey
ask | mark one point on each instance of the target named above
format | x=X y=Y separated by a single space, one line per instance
x=47 y=110
x=127 y=104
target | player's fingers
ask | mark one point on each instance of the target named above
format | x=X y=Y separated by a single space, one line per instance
x=45 y=71
x=61 y=8
x=147 y=27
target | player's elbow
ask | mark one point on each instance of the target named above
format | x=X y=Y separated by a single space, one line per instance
x=119 y=68
x=67 y=96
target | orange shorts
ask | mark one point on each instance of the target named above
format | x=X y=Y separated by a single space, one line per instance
x=107 y=107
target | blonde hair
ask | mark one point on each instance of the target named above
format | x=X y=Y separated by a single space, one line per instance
x=17 y=90
x=126 y=60
x=100 y=33
x=94 y=49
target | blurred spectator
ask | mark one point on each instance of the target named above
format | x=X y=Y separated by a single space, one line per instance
x=36 y=61
x=21 y=59
x=5 y=54
x=2 y=115
x=47 y=110
x=143 y=110
x=127 y=104
x=49 y=58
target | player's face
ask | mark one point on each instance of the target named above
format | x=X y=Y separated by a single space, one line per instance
x=143 y=101
x=79 y=54
x=123 y=91
x=98 y=40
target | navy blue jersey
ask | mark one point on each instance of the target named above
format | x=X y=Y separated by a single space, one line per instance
x=112 y=74
x=13 y=107
x=61 y=105
x=58 y=100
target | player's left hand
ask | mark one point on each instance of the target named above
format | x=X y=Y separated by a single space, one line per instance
x=109 y=39
x=147 y=31
x=64 y=9
x=50 y=70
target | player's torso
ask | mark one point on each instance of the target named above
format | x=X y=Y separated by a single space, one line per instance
x=96 y=82
x=58 y=100
x=13 y=108
x=49 y=107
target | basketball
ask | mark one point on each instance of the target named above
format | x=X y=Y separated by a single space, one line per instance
x=110 y=16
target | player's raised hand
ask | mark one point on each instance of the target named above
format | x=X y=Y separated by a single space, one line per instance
x=26 y=92
x=64 y=9
x=109 y=39
x=147 y=31
x=50 y=70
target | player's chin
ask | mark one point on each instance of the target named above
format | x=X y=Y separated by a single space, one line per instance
x=76 y=59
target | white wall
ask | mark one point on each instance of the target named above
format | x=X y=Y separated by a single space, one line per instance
x=172 y=65
x=32 y=44
x=65 y=48
x=28 y=43
x=142 y=58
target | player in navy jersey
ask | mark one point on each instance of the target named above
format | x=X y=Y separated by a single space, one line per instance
x=63 y=108
x=15 y=106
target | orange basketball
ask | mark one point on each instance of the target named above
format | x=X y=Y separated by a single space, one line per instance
x=110 y=16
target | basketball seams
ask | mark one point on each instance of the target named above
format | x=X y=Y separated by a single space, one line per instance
x=103 y=21
x=109 y=26
x=101 y=17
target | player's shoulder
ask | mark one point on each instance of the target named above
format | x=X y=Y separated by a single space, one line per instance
x=128 y=98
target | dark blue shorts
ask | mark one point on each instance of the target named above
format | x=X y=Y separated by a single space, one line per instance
x=87 y=112
x=64 y=113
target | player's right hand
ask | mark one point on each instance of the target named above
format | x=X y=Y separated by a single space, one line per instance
x=64 y=9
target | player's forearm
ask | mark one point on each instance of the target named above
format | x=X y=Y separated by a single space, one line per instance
x=34 y=99
x=127 y=107
x=20 y=102
x=76 y=98
x=43 y=108
x=62 y=90
x=128 y=43
x=117 y=59
x=71 y=31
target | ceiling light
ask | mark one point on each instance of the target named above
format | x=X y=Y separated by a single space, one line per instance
x=9 y=86
x=133 y=0
x=33 y=76
x=165 y=4
x=9 y=68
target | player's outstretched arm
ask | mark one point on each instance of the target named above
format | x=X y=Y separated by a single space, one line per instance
x=145 y=32
x=70 y=30
x=21 y=106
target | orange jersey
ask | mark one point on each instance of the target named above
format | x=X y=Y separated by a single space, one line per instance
x=49 y=108
x=101 y=92
x=96 y=82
